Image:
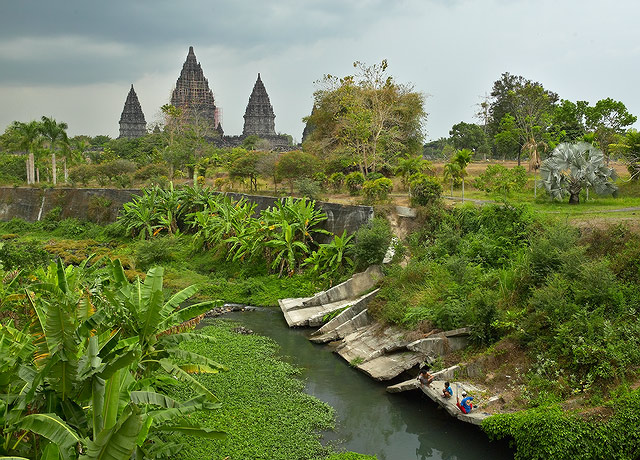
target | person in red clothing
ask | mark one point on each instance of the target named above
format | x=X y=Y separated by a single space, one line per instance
x=465 y=405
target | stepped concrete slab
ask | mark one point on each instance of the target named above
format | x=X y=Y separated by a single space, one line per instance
x=346 y=322
x=477 y=415
x=441 y=343
x=311 y=316
x=371 y=342
x=388 y=366
x=353 y=288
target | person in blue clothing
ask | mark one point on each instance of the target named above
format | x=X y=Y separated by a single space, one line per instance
x=447 y=392
x=465 y=405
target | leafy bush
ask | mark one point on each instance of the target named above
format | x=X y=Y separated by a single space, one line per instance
x=22 y=255
x=82 y=174
x=336 y=181
x=378 y=190
x=151 y=172
x=354 y=182
x=425 y=190
x=371 y=243
x=499 y=179
x=99 y=209
x=156 y=251
x=308 y=188
x=12 y=169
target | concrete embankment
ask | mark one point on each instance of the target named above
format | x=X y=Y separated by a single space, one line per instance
x=382 y=351
x=102 y=205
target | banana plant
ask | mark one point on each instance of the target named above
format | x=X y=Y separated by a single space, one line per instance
x=286 y=250
x=331 y=259
x=72 y=386
x=150 y=321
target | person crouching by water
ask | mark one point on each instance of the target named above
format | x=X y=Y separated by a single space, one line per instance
x=465 y=405
x=447 y=392
x=425 y=378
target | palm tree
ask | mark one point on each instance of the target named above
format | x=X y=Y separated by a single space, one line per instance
x=533 y=147
x=27 y=134
x=55 y=133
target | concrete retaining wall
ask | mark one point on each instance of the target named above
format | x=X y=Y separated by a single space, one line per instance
x=103 y=205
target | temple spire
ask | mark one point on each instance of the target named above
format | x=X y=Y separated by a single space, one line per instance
x=193 y=95
x=132 y=122
x=259 y=118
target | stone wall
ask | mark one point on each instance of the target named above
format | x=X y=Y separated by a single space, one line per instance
x=103 y=205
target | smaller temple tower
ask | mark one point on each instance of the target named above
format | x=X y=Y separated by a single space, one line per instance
x=132 y=122
x=259 y=118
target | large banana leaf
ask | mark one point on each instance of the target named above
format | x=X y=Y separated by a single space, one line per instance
x=180 y=297
x=54 y=429
x=174 y=339
x=195 y=358
x=150 y=397
x=193 y=431
x=111 y=400
x=118 y=363
x=118 y=442
x=187 y=313
x=180 y=374
x=188 y=407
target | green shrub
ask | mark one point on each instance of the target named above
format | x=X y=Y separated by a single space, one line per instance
x=156 y=251
x=499 y=179
x=13 y=169
x=308 y=188
x=354 y=182
x=23 y=255
x=82 y=174
x=336 y=181
x=425 y=190
x=377 y=191
x=371 y=243
x=151 y=172
x=99 y=209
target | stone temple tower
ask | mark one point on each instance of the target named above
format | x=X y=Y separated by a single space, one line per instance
x=193 y=95
x=259 y=118
x=132 y=122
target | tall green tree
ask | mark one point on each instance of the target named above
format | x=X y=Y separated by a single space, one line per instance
x=25 y=137
x=55 y=134
x=607 y=119
x=469 y=136
x=367 y=115
x=628 y=147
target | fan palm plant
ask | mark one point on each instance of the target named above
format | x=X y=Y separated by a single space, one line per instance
x=572 y=167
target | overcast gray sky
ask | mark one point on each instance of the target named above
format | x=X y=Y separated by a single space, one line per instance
x=76 y=59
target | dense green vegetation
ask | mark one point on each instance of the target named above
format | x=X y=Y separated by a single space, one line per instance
x=102 y=291
x=566 y=300
x=264 y=411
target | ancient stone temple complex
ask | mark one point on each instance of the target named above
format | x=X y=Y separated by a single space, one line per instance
x=259 y=118
x=132 y=122
x=193 y=95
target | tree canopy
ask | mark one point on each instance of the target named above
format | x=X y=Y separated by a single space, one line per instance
x=368 y=116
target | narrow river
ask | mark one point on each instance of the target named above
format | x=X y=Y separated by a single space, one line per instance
x=401 y=426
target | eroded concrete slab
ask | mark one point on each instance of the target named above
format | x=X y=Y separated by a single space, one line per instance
x=346 y=322
x=353 y=288
x=389 y=366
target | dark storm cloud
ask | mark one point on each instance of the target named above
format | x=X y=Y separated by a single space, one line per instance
x=80 y=41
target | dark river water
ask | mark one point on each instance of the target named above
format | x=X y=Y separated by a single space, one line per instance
x=401 y=426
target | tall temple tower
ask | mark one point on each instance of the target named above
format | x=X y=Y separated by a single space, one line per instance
x=193 y=95
x=259 y=118
x=132 y=122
